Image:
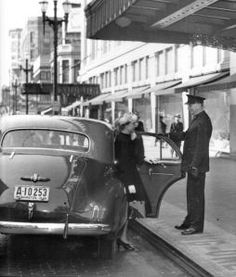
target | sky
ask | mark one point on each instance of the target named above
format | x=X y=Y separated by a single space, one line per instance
x=14 y=14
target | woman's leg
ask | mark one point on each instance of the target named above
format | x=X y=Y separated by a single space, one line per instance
x=124 y=236
x=123 y=240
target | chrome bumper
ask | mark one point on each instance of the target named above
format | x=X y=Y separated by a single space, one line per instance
x=7 y=227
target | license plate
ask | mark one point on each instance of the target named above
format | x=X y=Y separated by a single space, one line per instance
x=31 y=193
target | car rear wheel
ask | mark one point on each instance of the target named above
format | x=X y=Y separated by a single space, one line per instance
x=106 y=248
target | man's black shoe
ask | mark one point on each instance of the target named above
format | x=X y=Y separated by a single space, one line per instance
x=191 y=231
x=181 y=227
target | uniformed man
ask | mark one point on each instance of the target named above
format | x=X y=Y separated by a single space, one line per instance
x=195 y=163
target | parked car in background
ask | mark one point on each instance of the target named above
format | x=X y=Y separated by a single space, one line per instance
x=57 y=176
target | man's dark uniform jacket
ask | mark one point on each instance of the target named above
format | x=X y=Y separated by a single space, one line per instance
x=196 y=143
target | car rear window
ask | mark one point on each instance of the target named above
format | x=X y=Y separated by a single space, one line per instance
x=46 y=139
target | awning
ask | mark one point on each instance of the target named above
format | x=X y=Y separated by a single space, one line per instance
x=72 y=106
x=97 y=100
x=222 y=84
x=47 y=111
x=161 y=87
x=200 y=80
x=117 y=96
x=209 y=22
x=137 y=93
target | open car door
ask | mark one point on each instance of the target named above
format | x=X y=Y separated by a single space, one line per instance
x=161 y=169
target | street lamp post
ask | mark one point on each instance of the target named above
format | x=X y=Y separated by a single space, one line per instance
x=26 y=70
x=54 y=23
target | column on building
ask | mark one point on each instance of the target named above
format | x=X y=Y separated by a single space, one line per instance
x=232 y=121
x=121 y=82
x=232 y=108
x=143 y=102
x=129 y=86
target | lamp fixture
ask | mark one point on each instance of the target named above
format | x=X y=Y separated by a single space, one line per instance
x=123 y=21
x=44 y=6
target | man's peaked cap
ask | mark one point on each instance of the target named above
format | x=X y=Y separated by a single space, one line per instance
x=192 y=99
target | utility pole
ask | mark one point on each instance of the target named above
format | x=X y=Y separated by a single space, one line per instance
x=26 y=70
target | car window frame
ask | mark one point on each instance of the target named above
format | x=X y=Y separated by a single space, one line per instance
x=165 y=138
x=46 y=148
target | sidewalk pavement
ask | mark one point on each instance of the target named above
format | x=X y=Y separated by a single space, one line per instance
x=215 y=249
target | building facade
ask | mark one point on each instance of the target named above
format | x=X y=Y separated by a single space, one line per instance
x=153 y=79
x=34 y=46
x=15 y=38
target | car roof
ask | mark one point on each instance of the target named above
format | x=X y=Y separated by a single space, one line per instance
x=100 y=133
x=66 y=123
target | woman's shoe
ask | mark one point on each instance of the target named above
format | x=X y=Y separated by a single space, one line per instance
x=125 y=245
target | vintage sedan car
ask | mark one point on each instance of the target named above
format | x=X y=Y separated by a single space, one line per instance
x=57 y=176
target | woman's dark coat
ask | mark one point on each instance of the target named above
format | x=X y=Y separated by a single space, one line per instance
x=129 y=153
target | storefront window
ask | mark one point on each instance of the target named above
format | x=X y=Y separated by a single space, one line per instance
x=143 y=107
x=103 y=112
x=121 y=108
x=107 y=114
x=168 y=106
x=217 y=107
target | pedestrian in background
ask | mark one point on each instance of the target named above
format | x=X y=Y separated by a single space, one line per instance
x=176 y=128
x=162 y=125
x=195 y=162
x=128 y=157
x=161 y=129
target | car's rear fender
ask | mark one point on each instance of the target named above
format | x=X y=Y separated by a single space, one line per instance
x=105 y=203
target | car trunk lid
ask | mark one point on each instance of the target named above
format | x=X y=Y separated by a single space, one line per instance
x=38 y=187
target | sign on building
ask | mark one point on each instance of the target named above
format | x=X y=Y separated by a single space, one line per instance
x=68 y=93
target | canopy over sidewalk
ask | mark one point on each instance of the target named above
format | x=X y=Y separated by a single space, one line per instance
x=209 y=22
